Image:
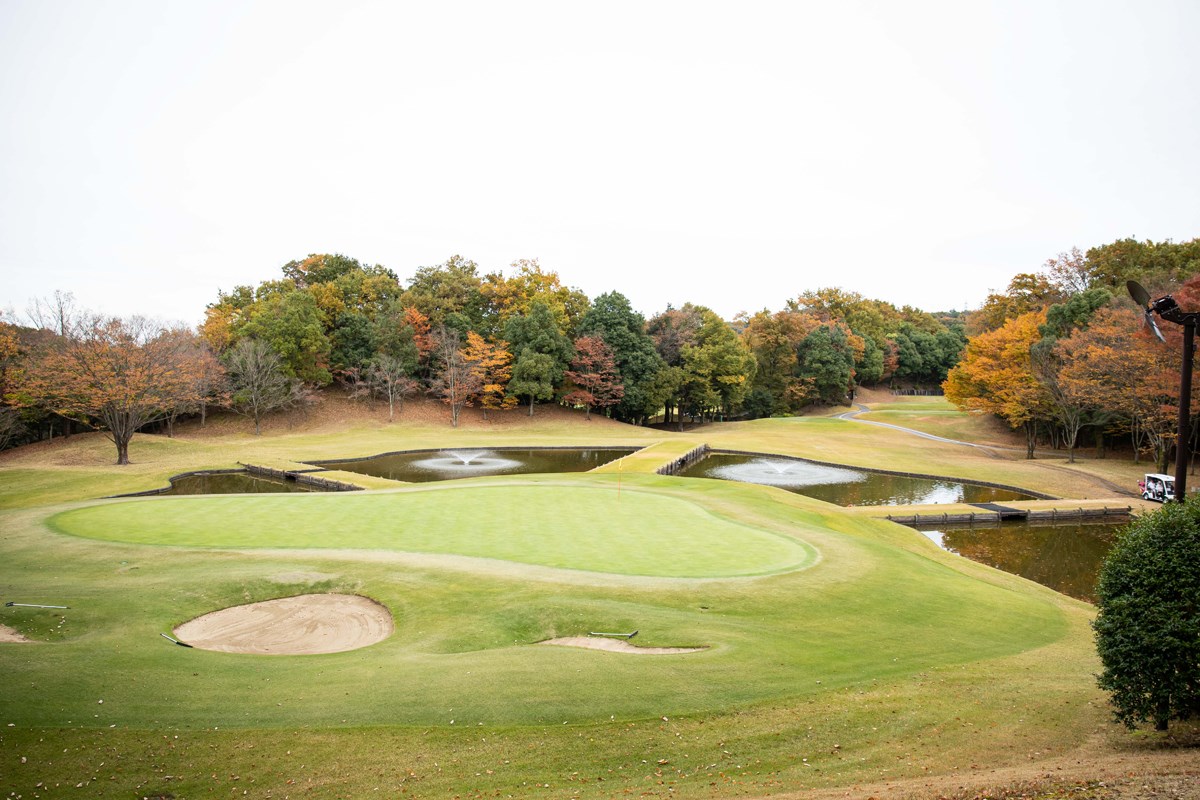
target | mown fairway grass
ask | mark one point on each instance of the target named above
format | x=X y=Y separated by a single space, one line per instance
x=635 y=532
x=865 y=654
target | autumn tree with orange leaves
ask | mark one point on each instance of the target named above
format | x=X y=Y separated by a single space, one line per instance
x=10 y=371
x=113 y=374
x=423 y=338
x=1116 y=368
x=200 y=367
x=491 y=365
x=10 y=352
x=595 y=382
x=997 y=376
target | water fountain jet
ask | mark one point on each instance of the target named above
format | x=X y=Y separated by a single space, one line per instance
x=786 y=473
x=466 y=458
x=466 y=463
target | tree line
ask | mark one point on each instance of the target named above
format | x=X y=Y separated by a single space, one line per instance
x=1063 y=354
x=469 y=338
x=501 y=339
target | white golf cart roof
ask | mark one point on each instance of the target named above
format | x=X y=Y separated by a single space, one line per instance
x=1158 y=476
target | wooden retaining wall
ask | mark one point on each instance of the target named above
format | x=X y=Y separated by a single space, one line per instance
x=1056 y=514
x=993 y=517
x=306 y=478
x=684 y=461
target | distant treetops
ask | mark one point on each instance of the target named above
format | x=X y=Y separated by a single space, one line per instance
x=1062 y=353
x=524 y=337
x=1054 y=354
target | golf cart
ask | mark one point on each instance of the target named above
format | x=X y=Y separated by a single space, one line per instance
x=1158 y=487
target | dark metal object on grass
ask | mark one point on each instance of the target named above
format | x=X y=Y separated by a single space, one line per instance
x=176 y=641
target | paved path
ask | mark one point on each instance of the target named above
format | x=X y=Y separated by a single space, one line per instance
x=859 y=408
x=989 y=450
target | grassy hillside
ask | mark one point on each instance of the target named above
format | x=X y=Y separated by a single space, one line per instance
x=840 y=650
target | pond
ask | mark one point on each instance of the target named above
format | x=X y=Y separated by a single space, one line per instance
x=440 y=465
x=1064 y=557
x=844 y=486
x=231 y=483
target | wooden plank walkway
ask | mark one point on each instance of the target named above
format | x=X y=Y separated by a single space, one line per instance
x=917 y=518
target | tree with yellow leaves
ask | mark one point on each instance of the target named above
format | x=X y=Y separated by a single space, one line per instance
x=997 y=376
x=529 y=283
x=491 y=365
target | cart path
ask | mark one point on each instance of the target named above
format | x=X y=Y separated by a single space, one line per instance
x=859 y=408
x=990 y=450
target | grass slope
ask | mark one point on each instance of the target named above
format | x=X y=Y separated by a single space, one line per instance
x=883 y=658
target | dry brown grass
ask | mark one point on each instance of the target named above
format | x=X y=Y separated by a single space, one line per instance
x=331 y=411
x=1105 y=769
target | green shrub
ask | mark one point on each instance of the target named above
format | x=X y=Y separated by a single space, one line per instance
x=1148 y=628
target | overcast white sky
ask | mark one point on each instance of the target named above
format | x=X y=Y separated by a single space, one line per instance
x=727 y=154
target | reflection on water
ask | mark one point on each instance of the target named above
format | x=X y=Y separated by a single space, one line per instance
x=782 y=472
x=844 y=487
x=440 y=465
x=1067 y=558
x=231 y=483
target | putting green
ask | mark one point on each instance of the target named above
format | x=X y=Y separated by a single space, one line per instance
x=582 y=527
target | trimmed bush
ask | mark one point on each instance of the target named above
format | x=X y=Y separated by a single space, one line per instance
x=1148 y=628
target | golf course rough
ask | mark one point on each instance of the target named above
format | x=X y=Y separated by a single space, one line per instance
x=577 y=527
x=672 y=558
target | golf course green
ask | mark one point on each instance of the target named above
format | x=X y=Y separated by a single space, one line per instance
x=637 y=532
x=836 y=648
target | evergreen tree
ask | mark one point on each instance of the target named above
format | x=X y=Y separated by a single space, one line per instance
x=539 y=332
x=827 y=363
x=290 y=324
x=532 y=377
x=1148 y=626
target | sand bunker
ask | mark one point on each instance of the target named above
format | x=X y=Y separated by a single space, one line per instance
x=302 y=625
x=7 y=634
x=618 y=646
